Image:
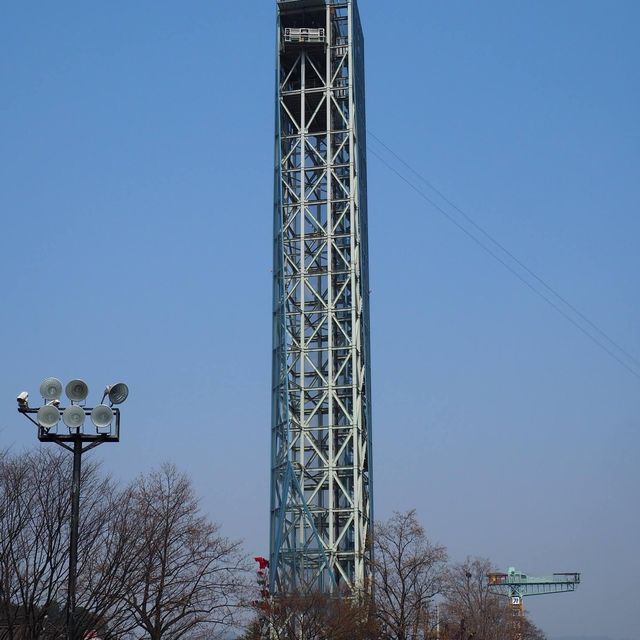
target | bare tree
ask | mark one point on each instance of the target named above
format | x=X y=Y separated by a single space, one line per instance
x=529 y=631
x=150 y=564
x=470 y=608
x=408 y=575
x=33 y=540
x=108 y=554
x=316 y=616
x=34 y=544
x=188 y=579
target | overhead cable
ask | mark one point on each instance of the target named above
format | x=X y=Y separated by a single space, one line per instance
x=632 y=364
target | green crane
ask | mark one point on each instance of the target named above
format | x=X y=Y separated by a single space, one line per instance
x=517 y=585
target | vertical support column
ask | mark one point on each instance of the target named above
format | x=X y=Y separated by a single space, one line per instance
x=356 y=418
x=302 y=285
x=73 y=540
x=331 y=328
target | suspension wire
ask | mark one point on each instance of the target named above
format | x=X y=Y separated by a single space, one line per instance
x=501 y=246
x=485 y=247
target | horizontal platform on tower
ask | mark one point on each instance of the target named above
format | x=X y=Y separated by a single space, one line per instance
x=303 y=4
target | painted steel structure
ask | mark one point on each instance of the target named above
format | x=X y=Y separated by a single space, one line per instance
x=516 y=586
x=321 y=474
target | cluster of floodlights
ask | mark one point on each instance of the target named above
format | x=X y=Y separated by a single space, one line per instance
x=73 y=416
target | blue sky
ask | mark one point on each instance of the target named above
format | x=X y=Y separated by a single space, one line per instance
x=135 y=198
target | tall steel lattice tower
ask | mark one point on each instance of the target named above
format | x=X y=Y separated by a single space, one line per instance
x=321 y=474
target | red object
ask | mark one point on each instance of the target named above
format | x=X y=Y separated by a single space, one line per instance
x=263 y=562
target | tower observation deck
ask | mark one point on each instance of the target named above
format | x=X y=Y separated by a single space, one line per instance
x=321 y=480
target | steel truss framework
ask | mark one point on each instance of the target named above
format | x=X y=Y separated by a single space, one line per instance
x=321 y=483
x=518 y=585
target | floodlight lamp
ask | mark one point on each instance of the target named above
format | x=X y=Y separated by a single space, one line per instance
x=51 y=389
x=77 y=390
x=23 y=400
x=117 y=393
x=73 y=417
x=101 y=416
x=48 y=416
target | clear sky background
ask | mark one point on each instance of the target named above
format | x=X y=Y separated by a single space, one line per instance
x=136 y=152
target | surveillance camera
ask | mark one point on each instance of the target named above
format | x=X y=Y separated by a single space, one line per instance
x=23 y=400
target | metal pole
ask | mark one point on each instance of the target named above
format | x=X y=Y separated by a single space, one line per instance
x=73 y=541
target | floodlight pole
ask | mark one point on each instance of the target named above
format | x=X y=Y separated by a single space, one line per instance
x=73 y=538
x=65 y=440
x=78 y=450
